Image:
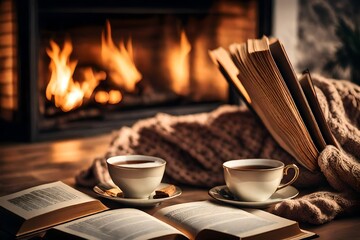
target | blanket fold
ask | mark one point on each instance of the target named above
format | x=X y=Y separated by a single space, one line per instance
x=195 y=146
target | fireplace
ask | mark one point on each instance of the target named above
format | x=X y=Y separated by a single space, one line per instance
x=72 y=68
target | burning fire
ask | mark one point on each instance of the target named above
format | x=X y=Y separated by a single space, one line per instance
x=69 y=94
x=179 y=66
x=120 y=61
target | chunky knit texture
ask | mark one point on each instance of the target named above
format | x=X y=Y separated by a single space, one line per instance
x=195 y=146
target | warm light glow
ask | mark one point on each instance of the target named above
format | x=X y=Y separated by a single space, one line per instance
x=119 y=61
x=67 y=93
x=73 y=150
x=179 y=66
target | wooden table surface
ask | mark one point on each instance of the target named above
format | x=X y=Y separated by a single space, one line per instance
x=24 y=165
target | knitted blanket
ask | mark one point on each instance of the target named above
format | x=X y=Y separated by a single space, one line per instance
x=195 y=146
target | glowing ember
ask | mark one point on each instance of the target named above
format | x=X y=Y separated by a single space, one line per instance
x=111 y=97
x=114 y=97
x=102 y=97
x=179 y=66
x=119 y=61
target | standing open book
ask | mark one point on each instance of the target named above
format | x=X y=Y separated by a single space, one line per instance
x=262 y=74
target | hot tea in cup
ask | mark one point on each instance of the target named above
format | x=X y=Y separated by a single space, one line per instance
x=136 y=175
x=256 y=179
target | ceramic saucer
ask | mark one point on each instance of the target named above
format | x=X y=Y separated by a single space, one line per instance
x=149 y=202
x=222 y=194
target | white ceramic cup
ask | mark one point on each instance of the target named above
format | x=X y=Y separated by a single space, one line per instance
x=256 y=180
x=136 y=175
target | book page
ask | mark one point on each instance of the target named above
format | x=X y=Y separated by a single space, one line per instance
x=226 y=66
x=258 y=89
x=126 y=223
x=41 y=199
x=304 y=147
x=228 y=69
x=192 y=218
x=279 y=54
x=309 y=91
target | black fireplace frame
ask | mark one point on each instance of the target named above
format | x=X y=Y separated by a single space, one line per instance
x=25 y=127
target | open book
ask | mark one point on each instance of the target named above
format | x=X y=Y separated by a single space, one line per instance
x=66 y=213
x=36 y=209
x=262 y=74
x=195 y=220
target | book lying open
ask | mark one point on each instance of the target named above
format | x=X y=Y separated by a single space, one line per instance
x=194 y=220
x=66 y=213
x=38 y=208
x=260 y=71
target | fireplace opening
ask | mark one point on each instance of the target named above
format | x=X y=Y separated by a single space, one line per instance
x=91 y=68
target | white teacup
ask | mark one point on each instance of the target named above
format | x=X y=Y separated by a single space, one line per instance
x=256 y=180
x=136 y=175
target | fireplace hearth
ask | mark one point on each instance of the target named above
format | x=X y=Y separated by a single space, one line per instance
x=73 y=69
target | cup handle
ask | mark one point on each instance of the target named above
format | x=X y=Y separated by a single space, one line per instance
x=296 y=175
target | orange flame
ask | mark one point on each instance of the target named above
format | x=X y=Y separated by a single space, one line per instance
x=120 y=62
x=67 y=93
x=179 y=66
x=91 y=81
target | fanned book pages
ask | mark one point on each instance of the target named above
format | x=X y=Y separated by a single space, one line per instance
x=262 y=74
